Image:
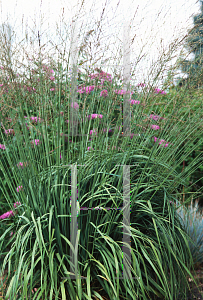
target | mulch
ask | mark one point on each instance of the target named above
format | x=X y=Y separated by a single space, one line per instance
x=195 y=293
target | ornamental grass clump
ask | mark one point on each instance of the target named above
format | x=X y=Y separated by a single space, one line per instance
x=44 y=224
x=192 y=220
x=44 y=163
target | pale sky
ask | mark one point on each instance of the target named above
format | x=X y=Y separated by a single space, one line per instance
x=156 y=23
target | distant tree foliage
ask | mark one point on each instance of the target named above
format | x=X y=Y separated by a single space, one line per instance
x=6 y=41
x=194 y=44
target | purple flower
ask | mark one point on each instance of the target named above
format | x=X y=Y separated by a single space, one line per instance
x=52 y=78
x=52 y=89
x=89 y=148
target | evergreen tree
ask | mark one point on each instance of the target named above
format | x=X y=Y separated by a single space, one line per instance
x=194 y=44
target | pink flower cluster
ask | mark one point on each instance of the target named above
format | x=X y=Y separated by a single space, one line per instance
x=27 y=126
x=15 y=204
x=19 y=188
x=37 y=142
x=94 y=116
x=9 y=213
x=86 y=89
x=91 y=132
x=157 y=91
x=46 y=69
x=134 y=101
x=9 y=119
x=105 y=129
x=132 y=134
x=2 y=147
x=155 y=117
x=21 y=164
x=89 y=148
x=29 y=88
x=122 y=92
x=104 y=93
x=141 y=84
x=76 y=106
x=156 y=127
x=161 y=142
x=102 y=75
x=34 y=119
x=9 y=131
